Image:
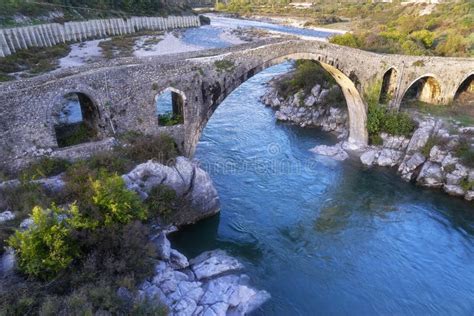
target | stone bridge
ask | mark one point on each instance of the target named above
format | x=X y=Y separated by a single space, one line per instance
x=121 y=93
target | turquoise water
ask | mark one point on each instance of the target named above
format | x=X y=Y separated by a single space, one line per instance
x=209 y=36
x=326 y=237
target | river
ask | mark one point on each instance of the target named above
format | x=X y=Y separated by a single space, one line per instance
x=322 y=236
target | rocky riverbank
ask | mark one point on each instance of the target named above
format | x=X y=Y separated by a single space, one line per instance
x=437 y=155
x=432 y=157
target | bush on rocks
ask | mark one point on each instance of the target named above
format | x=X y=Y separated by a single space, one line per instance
x=307 y=74
x=77 y=255
x=47 y=247
x=162 y=202
x=465 y=151
x=380 y=119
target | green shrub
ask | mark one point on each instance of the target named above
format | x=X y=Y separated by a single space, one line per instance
x=115 y=201
x=346 y=39
x=46 y=248
x=372 y=93
x=375 y=139
x=104 y=201
x=398 y=123
x=380 y=119
x=375 y=118
x=162 y=201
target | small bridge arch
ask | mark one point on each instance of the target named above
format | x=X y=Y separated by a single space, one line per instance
x=426 y=88
x=465 y=86
x=173 y=107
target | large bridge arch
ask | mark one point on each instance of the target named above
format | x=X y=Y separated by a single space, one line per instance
x=356 y=105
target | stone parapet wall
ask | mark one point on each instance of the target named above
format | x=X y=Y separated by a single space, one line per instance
x=47 y=35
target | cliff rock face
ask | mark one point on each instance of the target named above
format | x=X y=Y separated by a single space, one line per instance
x=192 y=184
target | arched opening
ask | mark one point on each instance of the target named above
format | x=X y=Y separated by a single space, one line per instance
x=389 y=86
x=465 y=93
x=169 y=107
x=76 y=121
x=425 y=89
x=357 y=109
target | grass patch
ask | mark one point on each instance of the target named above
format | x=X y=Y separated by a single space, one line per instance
x=123 y=45
x=32 y=61
x=170 y=119
x=224 y=65
x=74 y=134
x=465 y=152
x=118 y=46
x=430 y=143
x=45 y=167
x=463 y=114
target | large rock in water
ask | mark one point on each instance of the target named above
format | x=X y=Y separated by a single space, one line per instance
x=335 y=152
x=193 y=187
